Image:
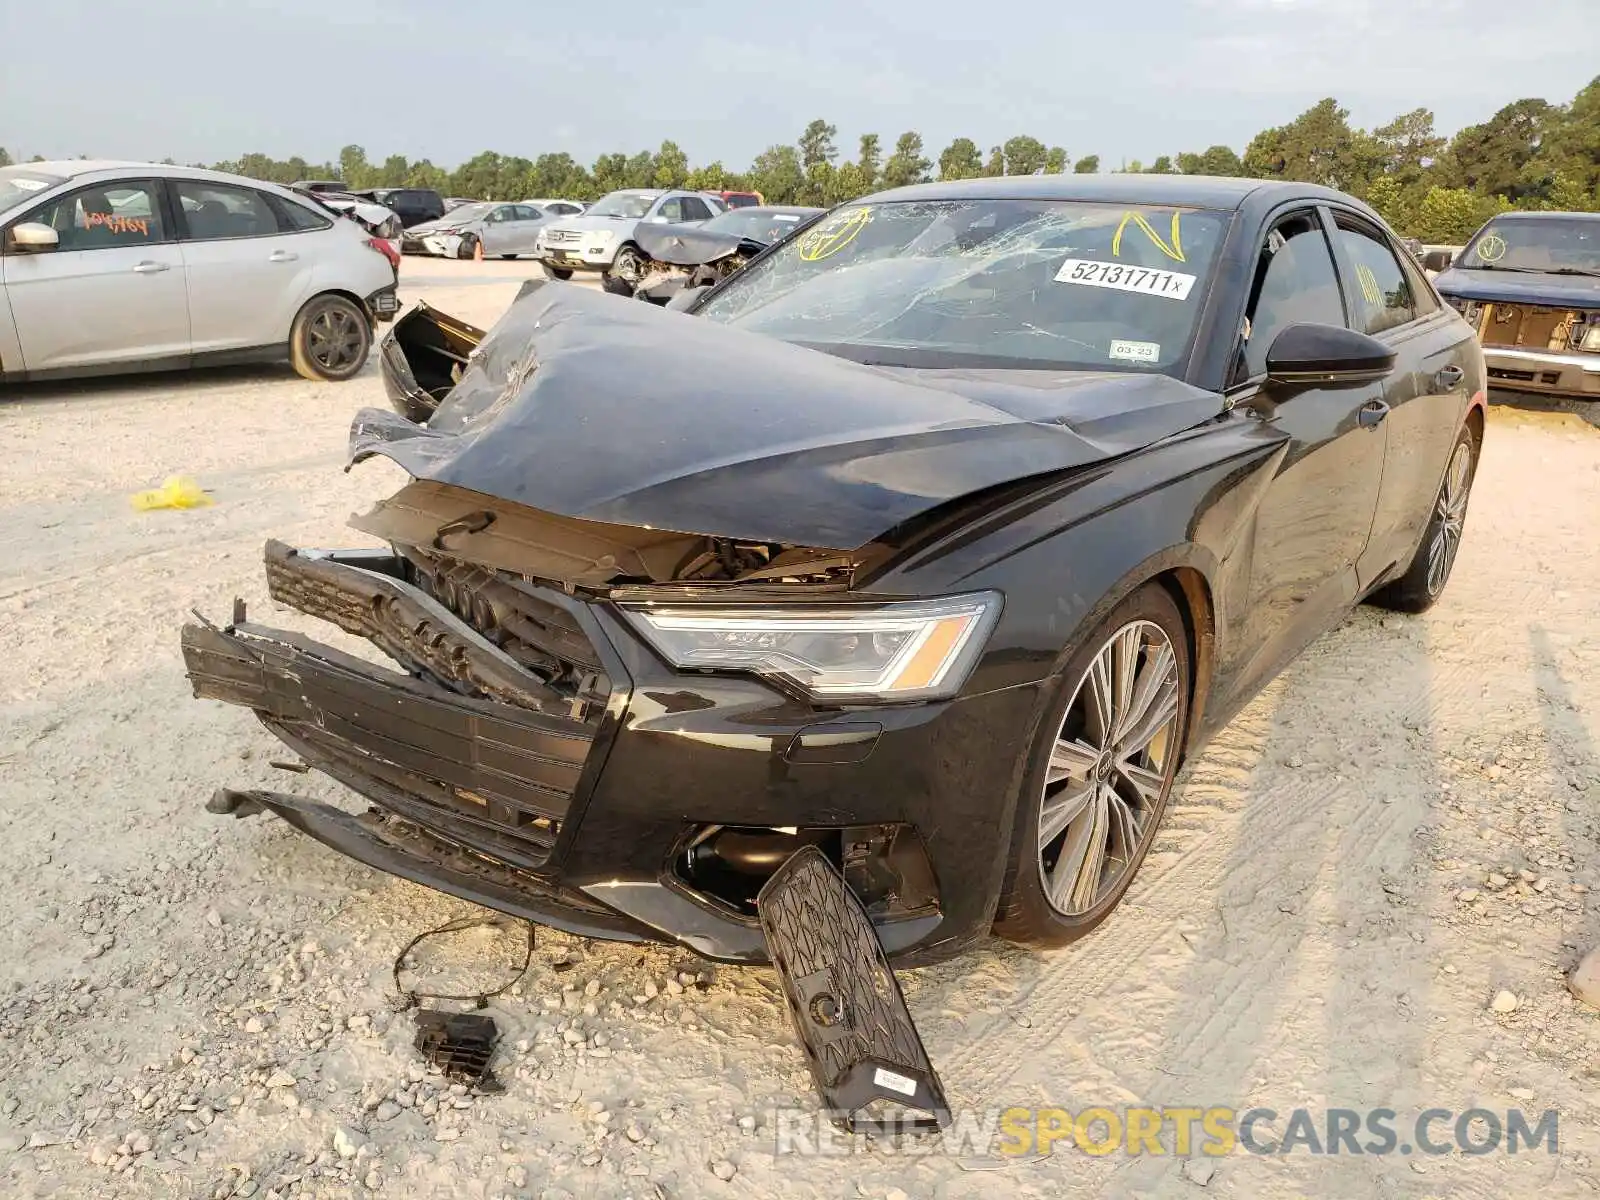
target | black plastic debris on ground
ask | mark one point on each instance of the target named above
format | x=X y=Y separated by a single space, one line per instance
x=460 y=1045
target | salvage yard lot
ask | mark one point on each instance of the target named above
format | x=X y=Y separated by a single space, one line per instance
x=1402 y=826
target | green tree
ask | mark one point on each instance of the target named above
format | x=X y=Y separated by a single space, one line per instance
x=712 y=177
x=1572 y=147
x=478 y=178
x=1089 y=164
x=641 y=170
x=1214 y=160
x=423 y=174
x=1449 y=216
x=857 y=178
x=610 y=172
x=1024 y=155
x=560 y=175
x=1388 y=197
x=1567 y=194
x=907 y=164
x=1163 y=165
x=5 y=159
x=996 y=165
x=1318 y=146
x=816 y=144
x=778 y=175
x=394 y=171
x=1055 y=161
x=1495 y=156
x=353 y=168
x=960 y=160
x=672 y=165
x=1408 y=145
x=869 y=158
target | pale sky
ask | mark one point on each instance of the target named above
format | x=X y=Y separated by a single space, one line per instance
x=212 y=79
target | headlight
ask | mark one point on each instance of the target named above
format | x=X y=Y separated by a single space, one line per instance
x=597 y=236
x=917 y=650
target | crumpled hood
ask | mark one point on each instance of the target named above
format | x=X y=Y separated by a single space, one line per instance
x=440 y=224
x=1516 y=287
x=680 y=247
x=604 y=409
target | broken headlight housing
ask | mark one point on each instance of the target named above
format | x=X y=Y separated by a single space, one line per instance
x=879 y=653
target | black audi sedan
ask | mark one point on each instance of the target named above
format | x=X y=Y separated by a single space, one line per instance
x=937 y=538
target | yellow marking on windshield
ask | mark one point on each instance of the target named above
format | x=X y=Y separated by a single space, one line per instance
x=1492 y=248
x=1173 y=250
x=826 y=240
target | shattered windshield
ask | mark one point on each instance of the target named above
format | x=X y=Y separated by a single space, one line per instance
x=623 y=204
x=1542 y=244
x=18 y=185
x=986 y=283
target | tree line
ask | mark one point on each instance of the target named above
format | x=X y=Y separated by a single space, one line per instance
x=1532 y=154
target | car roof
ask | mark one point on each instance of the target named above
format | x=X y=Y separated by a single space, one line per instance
x=1188 y=191
x=71 y=169
x=758 y=210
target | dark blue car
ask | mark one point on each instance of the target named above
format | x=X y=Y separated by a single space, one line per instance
x=1530 y=284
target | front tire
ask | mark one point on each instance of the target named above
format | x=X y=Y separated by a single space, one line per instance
x=330 y=339
x=1105 y=752
x=469 y=247
x=1425 y=578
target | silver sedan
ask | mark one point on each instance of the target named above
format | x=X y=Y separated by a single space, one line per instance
x=479 y=230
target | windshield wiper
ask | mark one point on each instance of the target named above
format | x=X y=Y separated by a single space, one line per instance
x=1592 y=274
x=1519 y=270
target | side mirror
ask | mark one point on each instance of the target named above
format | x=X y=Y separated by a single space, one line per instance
x=1327 y=355
x=33 y=237
x=1437 y=260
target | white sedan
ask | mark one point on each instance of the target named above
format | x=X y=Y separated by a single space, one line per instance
x=108 y=267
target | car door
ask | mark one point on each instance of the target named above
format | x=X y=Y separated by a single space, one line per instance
x=668 y=211
x=523 y=229
x=1314 y=519
x=112 y=290
x=494 y=225
x=1425 y=396
x=247 y=276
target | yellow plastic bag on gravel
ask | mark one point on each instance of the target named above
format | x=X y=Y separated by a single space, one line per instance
x=177 y=491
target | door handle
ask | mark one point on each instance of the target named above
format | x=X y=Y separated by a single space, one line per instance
x=1447 y=378
x=1372 y=414
x=149 y=268
x=282 y=256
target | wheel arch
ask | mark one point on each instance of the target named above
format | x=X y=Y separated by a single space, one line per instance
x=342 y=293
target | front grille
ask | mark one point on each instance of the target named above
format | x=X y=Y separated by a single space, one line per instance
x=559 y=237
x=539 y=633
x=497 y=777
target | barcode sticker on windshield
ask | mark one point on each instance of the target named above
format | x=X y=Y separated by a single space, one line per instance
x=1173 y=285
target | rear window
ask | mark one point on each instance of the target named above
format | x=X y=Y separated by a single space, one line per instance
x=986 y=283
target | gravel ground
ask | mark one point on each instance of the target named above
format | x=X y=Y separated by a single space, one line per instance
x=1401 y=829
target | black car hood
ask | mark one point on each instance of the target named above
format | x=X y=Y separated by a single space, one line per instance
x=681 y=247
x=1517 y=287
x=604 y=409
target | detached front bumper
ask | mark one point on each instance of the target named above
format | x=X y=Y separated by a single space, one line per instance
x=1546 y=372
x=631 y=811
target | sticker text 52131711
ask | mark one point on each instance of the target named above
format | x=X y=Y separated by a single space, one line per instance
x=1171 y=285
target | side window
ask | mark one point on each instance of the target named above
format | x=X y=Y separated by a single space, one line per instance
x=564 y=210
x=295 y=218
x=1421 y=292
x=124 y=213
x=215 y=211
x=527 y=212
x=695 y=209
x=1295 y=283
x=671 y=209
x=495 y=215
x=1381 y=294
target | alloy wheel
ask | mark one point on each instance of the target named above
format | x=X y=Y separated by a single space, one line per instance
x=1113 y=757
x=1450 y=515
x=334 y=339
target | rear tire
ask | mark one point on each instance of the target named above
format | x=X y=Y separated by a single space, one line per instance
x=330 y=339
x=1098 y=784
x=1424 y=581
x=561 y=273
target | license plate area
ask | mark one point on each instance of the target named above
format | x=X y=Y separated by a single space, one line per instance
x=860 y=1042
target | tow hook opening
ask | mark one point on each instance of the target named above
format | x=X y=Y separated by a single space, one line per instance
x=885 y=865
